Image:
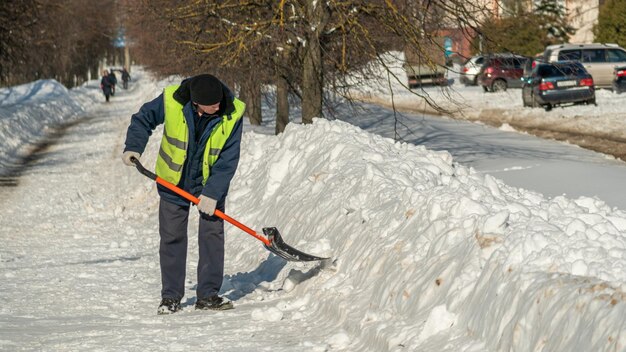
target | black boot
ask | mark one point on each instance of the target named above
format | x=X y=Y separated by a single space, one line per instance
x=214 y=303
x=168 y=306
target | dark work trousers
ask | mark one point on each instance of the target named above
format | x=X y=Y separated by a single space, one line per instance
x=173 y=220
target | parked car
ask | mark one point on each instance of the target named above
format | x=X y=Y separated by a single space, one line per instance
x=599 y=59
x=426 y=67
x=557 y=83
x=619 y=79
x=502 y=71
x=425 y=75
x=470 y=69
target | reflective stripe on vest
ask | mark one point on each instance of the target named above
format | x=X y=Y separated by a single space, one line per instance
x=219 y=136
x=174 y=143
x=173 y=151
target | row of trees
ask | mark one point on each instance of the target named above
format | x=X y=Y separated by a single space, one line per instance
x=304 y=48
x=60 y=39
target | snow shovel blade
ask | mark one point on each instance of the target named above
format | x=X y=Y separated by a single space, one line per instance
x=283 y=250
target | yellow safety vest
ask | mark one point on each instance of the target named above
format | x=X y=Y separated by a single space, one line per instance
x=173 y=151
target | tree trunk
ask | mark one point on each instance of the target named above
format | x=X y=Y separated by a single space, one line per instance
x=281 y=64
x=312 y=73
x=251 y=95
x=127 y=58
x=282 y=103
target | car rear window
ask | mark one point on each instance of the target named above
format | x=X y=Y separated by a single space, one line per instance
x=520 y=62
x=493 y=62
x=569 y=55
x=561 y=70
x=509 y=62
x=616 y=55
x=593 y=55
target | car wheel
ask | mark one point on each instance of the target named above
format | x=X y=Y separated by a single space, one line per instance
x=498 y=86
x=592 y=102
x=547 y=107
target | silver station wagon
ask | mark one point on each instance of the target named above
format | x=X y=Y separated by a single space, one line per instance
x=599 y=60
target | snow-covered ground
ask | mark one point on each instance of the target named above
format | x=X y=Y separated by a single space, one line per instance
x=427 y=254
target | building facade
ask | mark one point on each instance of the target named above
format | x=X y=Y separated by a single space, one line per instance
x=582 y=14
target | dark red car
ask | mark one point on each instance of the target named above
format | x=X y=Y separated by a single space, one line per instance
x=619 y=79
x=502 y=71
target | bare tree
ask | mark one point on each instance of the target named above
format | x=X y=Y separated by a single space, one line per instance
x=300 y=46
x=17 y=27
x=63 y=40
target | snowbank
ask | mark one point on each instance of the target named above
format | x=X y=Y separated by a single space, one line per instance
x=28 y=112
x=420 y=240
x=424 y=249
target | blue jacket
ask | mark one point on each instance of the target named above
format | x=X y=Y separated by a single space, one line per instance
x=152 y=114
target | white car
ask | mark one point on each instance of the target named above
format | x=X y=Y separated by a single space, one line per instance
x=599 y=60
x=470 y=69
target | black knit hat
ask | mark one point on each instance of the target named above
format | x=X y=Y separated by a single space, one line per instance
x=205 y=89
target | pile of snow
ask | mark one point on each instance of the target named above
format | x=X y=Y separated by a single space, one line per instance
x=423 y=245
x=28 y=112
x=423 y=249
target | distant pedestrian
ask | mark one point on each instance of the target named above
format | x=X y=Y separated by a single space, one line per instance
x=113 y=80
x=125 y=78
x=105 y=85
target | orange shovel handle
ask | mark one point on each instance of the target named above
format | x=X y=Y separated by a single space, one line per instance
x=190 y=197
x=272 y=240
x=220 y=214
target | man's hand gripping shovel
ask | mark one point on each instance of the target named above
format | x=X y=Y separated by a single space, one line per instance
x=272 y=239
